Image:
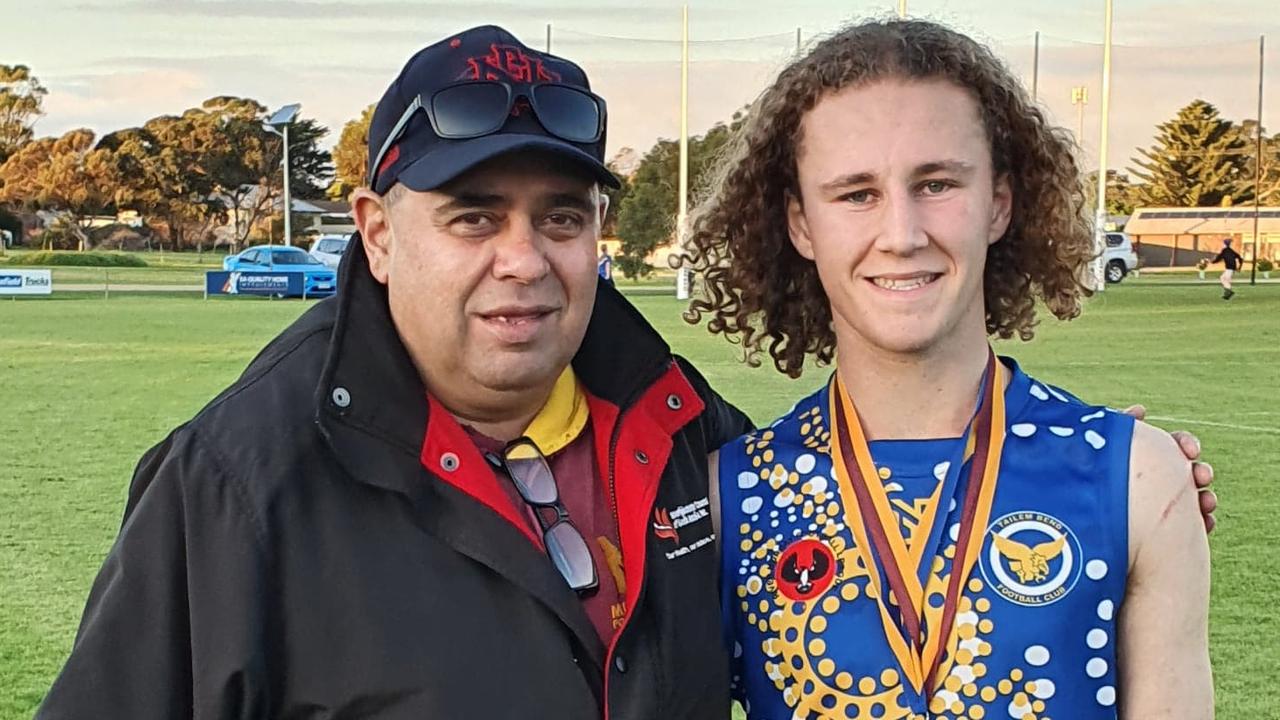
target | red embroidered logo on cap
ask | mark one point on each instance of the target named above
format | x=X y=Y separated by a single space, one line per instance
x=508 y=62
x=392 y=155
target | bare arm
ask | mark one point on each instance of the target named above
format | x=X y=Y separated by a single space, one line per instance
x=1164 y=646
x=1202 y=472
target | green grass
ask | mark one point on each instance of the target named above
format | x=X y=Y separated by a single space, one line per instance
x=88 y=384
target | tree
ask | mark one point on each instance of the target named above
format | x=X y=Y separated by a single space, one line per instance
x=1268 y=182
x=647 y=214
x=21 y=97
x=351 y=155
x=1122 y=195
x=165 y=171
x=245 y=166
x=1198 y=160
x=213 y=164
x=310 y=166
x=67 y=176
x=242 y=166
x=616 y=198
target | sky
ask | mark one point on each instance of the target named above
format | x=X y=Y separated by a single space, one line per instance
x=110 y=65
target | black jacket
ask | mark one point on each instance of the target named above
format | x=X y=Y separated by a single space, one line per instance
x=1230 y=258
x=297 y=551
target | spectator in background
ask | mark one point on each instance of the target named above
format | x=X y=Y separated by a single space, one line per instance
x=604 y=266
x=1233 y=262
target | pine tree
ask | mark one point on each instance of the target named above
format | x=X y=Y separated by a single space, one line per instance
x=1268 y=178
x=1199 y=159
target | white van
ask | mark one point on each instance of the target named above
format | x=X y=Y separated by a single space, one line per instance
x=328 y=249
x=1119 y=259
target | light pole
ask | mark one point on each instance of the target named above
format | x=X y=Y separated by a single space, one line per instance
x=1257 y=162
x=279 y=124
x=1100 y=213
x=1080 y=98
x=684 y=276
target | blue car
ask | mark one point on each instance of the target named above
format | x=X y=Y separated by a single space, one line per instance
x=318 y=280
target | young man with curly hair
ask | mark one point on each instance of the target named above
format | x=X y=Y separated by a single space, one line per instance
x=933 y=533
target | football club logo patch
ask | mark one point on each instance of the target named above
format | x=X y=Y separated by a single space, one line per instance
x=805 y=570
x=1031 y=559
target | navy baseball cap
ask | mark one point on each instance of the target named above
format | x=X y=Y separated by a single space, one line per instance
x=411 y=137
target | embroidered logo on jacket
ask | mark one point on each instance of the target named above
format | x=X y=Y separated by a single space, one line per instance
x=667 y=525
x=663 y=527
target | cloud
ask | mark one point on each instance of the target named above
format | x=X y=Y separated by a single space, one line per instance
x=337 y=56
x=113 y=101
x=303 y=10
x=230 y=63
x=1184 y=22
x=1148 y=86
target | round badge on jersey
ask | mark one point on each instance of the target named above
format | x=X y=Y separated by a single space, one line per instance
x=805 y=569
x=1031 y=558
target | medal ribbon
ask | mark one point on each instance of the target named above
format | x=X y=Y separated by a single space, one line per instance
x=869 y=515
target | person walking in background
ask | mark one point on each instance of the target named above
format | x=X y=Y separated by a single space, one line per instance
x=1233 y=262
x=604 y=266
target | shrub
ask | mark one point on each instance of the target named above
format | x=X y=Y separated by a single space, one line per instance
x=78 y=259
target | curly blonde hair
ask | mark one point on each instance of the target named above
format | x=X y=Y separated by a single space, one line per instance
x=759 y=291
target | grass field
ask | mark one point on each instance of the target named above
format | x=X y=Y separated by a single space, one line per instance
x=188 y=269
x=87 y=384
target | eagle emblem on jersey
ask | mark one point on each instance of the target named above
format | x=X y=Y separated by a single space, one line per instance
x=1030 y=563
x=1031 y=558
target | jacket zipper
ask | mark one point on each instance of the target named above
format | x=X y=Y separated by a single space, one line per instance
x=613 y=505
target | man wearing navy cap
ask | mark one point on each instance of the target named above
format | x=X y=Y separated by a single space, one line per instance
x=473 y=484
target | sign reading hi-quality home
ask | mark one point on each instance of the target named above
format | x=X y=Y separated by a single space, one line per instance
x=278 y=284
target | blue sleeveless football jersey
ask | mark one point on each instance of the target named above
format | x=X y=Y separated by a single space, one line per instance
x=1034 y=635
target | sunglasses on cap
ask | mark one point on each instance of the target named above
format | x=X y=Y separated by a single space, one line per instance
x=477 y=108
x=529 y=471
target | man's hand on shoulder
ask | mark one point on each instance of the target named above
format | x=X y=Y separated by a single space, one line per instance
x=1201 y=472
